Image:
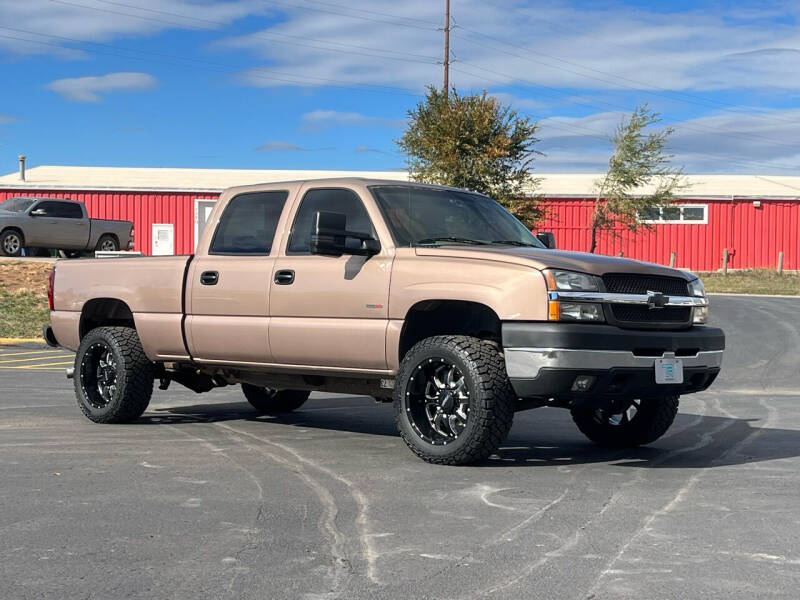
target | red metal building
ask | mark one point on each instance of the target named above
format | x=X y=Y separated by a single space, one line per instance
x=753 y=217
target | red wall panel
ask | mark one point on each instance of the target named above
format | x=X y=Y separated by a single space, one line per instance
x=143 y=208
x=753 y=235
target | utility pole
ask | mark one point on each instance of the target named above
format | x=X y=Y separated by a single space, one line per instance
x=446 y=48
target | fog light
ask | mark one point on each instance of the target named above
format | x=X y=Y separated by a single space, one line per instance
x=583 y=383
x=581 y=311
x=700 y=315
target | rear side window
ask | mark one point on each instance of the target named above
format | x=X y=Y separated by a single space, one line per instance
x=249 y=223
x=70 y=210
x=337 y=200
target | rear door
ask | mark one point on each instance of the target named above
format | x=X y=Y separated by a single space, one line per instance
x=228 y=286
x=330 y=311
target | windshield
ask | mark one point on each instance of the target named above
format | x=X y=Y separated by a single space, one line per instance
x=17 y=204
x=419 y=216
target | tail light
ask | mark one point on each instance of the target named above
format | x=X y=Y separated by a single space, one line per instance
x=51 y=281
x=132 y=243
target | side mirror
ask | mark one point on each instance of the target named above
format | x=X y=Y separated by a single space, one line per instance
x=39 y=212
x=547 y=238
x=329 y=237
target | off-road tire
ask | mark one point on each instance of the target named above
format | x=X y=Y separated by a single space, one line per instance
x=274 y=402
x=491 y=399
x=652 y=420
x=134 y=375
x=107 y=239
x=19 y=245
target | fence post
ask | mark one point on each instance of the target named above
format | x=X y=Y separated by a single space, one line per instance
x=725 y=262
x=672 y=259
x=780 y=262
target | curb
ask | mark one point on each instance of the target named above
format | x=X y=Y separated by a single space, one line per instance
x=15 y=341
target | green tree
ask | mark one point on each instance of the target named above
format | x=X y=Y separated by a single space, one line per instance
x=639 y=179
x=474 y=142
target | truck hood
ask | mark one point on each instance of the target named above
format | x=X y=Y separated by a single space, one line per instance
x=540 y=258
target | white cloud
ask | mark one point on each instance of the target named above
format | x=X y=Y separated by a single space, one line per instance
x=284 y=146
x=89 y=89
x=4 y=119
x=596 y=47
x=322 y=119
x=723 y=142
x=33 y=21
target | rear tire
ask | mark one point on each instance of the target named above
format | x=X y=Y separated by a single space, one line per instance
x=113 y=377
x=641 y=423
x=11 y=243
x=107 y=243
x=453 y=402
x=274 y=402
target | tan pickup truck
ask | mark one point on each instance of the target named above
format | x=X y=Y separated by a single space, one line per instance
x=433 y=297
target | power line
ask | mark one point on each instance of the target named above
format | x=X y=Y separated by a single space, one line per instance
x=369 y=52
x=695 y=127
x=373 y=12
x=223 y=68
x=605 y=137
x=661 y=92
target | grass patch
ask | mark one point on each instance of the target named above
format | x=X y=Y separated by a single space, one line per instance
x=755 y=281
x=23 y=313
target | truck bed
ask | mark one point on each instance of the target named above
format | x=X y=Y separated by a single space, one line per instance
x=150 y=287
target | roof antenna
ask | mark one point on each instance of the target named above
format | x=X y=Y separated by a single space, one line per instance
x=22 y=167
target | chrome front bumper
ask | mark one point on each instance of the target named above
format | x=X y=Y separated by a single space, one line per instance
x=525 y=363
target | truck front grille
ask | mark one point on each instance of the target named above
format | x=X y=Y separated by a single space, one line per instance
x=623 y=283
x=633 y=313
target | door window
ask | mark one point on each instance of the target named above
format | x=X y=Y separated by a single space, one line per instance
x=249 y=223
x=69 y=210
x=337 y=200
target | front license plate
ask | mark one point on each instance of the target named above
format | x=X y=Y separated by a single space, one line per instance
x=669 y=370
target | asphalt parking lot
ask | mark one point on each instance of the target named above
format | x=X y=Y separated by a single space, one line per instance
x=203 y=499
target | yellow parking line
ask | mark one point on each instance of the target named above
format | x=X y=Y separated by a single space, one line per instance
x=48 y=369
x=3 y=354
x=40 y=367
x=32 y=359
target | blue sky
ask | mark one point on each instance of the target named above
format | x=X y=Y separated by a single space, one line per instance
x=327 y=83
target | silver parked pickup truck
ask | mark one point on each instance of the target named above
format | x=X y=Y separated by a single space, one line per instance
x=58 y=223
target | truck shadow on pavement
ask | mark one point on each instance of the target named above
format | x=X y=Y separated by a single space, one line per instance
x=539 y=438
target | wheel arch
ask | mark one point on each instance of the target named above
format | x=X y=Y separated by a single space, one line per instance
x=432 y=317
x=14 y=228
x=104 y=312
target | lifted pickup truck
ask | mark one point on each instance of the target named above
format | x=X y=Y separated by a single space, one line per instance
x=433 y=295
x=58 y=223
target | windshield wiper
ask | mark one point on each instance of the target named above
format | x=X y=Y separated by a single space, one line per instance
x=515 y=243
x=455 y=239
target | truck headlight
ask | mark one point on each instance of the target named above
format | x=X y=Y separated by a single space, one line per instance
x=570 y=281
x=700 y=313
x=567 y=310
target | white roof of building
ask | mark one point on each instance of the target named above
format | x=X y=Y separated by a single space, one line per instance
x=51 y=177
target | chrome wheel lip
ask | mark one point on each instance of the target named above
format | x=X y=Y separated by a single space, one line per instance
x=437 y=401
x=12 y=243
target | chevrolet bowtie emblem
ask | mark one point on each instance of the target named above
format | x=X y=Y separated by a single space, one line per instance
x=656 y=300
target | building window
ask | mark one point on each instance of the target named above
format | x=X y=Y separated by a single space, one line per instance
x=683 y=214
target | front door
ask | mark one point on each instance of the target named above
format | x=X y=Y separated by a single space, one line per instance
x=228 y=308
x=202 y=213
x=329 y=311
x=61 y=226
